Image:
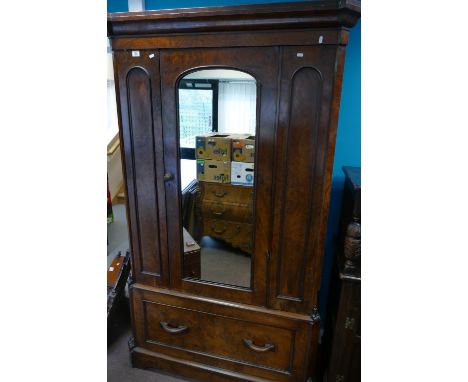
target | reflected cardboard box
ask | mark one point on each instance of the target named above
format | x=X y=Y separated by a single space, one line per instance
x=213 y=171
x=213 y=146
x=242 y=173
x=243 y=148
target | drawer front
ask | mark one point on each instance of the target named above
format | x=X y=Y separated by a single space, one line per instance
x=232 y=232
x=249 y=340
x=244 y=240
x=227 y=211
x=226 y=193
x=217 y=335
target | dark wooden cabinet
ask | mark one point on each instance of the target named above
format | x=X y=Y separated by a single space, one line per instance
x=294 y=52
x=343 y=326
x=191 y=261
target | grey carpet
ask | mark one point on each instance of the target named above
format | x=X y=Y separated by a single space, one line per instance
x=119 y=368
x=224 y=264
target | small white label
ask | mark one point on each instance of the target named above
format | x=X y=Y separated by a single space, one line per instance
x=135 y=53
x=111 y=269
x=320 y=39
x=151 y=55
x=300 y=54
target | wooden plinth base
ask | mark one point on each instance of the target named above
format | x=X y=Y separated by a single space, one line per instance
x=144 y=359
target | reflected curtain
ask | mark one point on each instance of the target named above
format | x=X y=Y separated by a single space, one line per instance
x=237 y=101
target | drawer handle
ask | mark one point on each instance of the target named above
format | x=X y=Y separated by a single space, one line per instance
x=218 y=213
x=222 y=230
x=250 y=344
x=218 y=231
x=173 y=330
x=219 y=194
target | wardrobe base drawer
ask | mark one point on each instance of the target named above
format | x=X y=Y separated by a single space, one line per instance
x=259 y=342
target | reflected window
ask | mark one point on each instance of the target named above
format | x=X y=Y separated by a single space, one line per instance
x=197 y=105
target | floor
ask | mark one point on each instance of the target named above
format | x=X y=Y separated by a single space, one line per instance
x=217 y=257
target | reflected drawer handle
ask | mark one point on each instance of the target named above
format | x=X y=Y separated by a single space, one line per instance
x=219 y=194
x=261 y=349
x=221 y=231
x=218 y=231
x=173 y=330
x=218 y=213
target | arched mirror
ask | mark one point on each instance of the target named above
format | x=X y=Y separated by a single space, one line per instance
x=217 y=119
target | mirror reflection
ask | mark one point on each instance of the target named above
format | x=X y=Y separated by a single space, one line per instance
x=217 y=124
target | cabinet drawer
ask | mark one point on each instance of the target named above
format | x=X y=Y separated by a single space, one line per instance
x=217 y=335
x=261 y=343
x=227 y=211
x=227 y=193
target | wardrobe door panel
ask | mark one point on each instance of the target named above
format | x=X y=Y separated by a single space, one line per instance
x=139 y=117
x=186 y=67
x=304 y=151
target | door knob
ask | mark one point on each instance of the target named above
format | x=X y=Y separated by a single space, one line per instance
x=168 y=176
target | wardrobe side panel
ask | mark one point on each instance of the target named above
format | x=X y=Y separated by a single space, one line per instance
x=303 y=149
x=141 y=137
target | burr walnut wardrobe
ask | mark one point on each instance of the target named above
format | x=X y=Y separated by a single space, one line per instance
x=245 y=307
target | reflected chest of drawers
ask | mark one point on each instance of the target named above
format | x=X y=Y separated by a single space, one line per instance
x=226 y=213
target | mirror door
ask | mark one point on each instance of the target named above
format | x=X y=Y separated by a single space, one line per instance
x=218 y=122
x=216 y=111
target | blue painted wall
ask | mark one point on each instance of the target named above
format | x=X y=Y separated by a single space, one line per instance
x=162 y=4
x=348 y=145
x=117 y=5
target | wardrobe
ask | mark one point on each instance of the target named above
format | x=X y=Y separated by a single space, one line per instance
x=240 y=313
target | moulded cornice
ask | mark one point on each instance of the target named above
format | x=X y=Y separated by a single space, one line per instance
x=300 y=15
